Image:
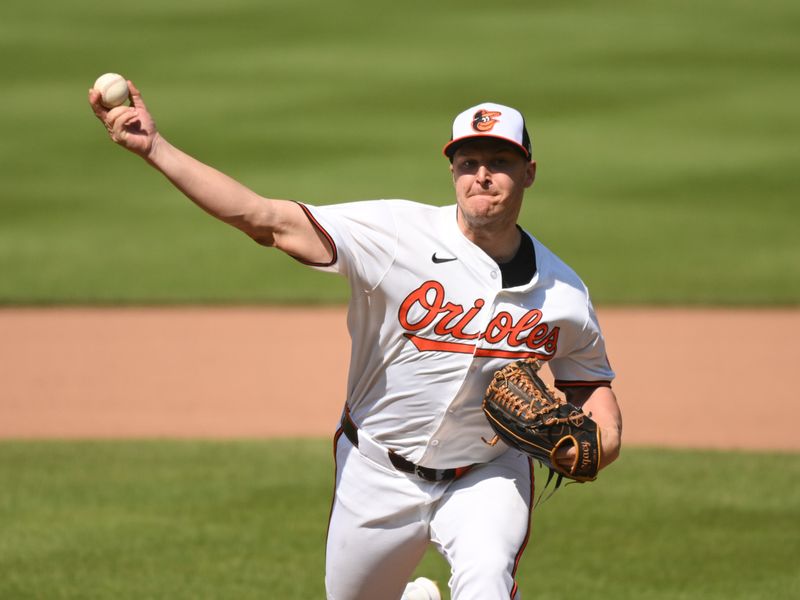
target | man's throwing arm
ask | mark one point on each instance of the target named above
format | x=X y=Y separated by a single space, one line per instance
x=279 y=223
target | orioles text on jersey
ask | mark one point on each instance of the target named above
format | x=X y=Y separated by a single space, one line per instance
x=450 y=322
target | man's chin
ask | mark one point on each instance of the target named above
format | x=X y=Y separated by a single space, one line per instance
x=478 y=218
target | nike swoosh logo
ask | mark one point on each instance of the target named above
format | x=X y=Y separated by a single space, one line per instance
x=438 y=260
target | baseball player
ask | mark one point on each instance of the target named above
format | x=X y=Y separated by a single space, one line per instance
x=441 y=297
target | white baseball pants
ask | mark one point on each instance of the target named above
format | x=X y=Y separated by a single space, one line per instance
x=382 y=521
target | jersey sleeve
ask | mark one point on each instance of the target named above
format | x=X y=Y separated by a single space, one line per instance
x=363 y=236
x=585 y=364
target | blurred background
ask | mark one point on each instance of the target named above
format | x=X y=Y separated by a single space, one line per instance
x=666 y=136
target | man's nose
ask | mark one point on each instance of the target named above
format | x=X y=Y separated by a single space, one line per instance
x=483 y=175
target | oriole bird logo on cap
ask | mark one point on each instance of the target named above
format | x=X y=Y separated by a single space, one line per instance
x=484 y=120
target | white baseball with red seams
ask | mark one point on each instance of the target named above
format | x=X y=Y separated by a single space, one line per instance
x=113 y=89
x=430 y=322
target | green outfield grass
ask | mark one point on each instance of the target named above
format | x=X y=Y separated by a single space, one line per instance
x=247 y=519
x=666 y=135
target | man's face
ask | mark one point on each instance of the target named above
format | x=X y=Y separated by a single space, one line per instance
x=490 y=178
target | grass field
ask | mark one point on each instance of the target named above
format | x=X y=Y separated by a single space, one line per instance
x=666 y=136
x=247 y=519
x=667 y=140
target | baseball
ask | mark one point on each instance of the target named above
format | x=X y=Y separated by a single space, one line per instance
x=414 y=593
x=113 y=89
x=422 y=588
x=429 y=586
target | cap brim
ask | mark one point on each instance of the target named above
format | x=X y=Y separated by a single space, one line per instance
x=450 y=148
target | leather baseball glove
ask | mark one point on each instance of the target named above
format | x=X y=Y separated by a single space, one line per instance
x=527 y=415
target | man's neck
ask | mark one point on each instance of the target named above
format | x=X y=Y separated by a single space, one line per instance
x=500 y=243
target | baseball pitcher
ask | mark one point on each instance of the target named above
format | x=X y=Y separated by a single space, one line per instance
x=442 y=299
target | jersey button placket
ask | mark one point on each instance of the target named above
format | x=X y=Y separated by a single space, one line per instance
x=490 y=307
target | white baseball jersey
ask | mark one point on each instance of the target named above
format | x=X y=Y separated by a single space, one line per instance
x=430 y=323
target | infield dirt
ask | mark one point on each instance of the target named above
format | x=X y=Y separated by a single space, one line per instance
x=692 y=378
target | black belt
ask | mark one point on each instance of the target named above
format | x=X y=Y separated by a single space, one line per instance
x=401 y=464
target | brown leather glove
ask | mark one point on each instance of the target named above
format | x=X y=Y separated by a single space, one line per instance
x=527 y=415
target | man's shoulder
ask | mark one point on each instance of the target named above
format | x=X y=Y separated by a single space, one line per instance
x=552 y=267
x=413 y=206
x=386 y=204
x=395 y=216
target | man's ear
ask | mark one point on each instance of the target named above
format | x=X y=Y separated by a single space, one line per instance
x=531 y=174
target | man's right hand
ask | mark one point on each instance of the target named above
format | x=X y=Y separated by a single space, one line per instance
x=131 y=127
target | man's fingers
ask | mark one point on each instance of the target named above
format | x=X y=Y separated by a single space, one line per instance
x=129 y=126
x=115 y=113
x=566 y=456
x=118 y=117
x=99 y=110
x=136 y=95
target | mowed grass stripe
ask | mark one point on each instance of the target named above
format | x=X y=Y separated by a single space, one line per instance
x=247 y=519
